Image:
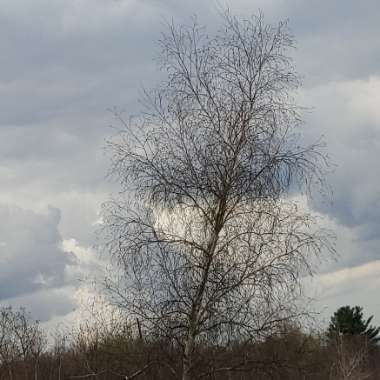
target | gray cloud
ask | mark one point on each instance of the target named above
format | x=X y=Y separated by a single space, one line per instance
x=347 y=114
x=31 y=256
x=45 y=304
x=63 y=63
x=38 y=269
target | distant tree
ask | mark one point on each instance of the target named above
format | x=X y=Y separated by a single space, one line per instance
x=21 y=340
x=349 y=321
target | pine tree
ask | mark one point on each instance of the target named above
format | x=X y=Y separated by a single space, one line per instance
x=349 y=321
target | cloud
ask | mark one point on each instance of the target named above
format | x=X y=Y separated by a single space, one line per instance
x=64 y=63
x=38 y=269
x=48 y=303
x=347 y=114
x=31 y=257
x=345 y=287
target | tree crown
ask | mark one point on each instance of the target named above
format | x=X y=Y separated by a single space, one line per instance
x=209 y=242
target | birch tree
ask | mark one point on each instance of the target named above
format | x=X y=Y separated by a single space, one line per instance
x=209 y=241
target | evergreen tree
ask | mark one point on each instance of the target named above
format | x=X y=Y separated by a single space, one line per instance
x=349 y=321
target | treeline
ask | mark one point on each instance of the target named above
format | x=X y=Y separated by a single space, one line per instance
x=115 y=349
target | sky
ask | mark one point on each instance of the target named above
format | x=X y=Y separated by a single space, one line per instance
x=65 y=64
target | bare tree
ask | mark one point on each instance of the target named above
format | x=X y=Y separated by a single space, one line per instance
x=351 y=358
x=59 y=349
x=209 y=242
x=21 y=340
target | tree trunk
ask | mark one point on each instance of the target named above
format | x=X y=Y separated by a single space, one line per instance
x=10 y=373
x=188 y=356
x=59 y=367
x=190 y=341
x=36 y=370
